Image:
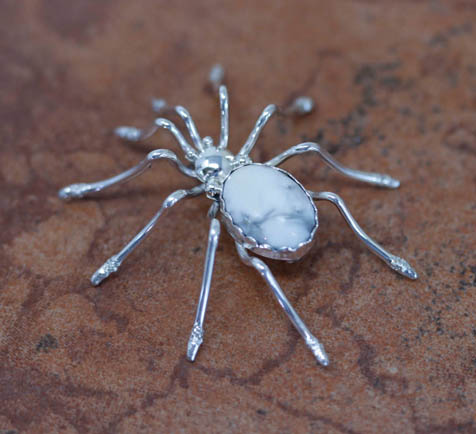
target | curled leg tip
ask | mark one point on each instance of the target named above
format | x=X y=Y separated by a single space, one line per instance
x=64 y=193
x=103 y=272
x=216 y=75
x=318 y=350
x=73 y=191
x=97 y=278
x=196 y=339
x=301 y=106
x=128 y=133
x=403 y=267
x=393 y=183
x=385 y=181
x=159 y=105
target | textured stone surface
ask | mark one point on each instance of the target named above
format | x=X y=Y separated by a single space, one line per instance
x=266 y=204
x=395 y=84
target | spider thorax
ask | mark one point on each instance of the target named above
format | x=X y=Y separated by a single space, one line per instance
x=212 y=167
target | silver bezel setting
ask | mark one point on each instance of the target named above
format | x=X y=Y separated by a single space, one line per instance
x=266 y=250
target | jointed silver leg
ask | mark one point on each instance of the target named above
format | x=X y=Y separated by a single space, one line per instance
x=134 y=134
x=160 y=106
x=115 y=261
x=196 y=337
x=378 y=179
x=216 y=78
x=192 y=129
x=223 y=94
x=394 y=262
x=311 y=341
x=260 y=123
x=76 y=191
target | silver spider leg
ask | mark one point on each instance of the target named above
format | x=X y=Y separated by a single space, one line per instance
x=160 y=106
x=134 y=134
x=378 y=179
x=77 y=191
x=115 y=261
x=256 y=131
x=223 y=94
x=301 y=106
x=394 y=262
x=192 y=129
x=216 y=78
x=311 y=341
x=196 y=337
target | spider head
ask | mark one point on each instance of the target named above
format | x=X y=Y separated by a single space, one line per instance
x=213 y=163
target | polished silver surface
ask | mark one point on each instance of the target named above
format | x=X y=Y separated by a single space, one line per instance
x=213 y=163
x=311 y=341
x=256 y=131
x=394 y=262
x=216 y=77
x=301 y=106
x=113 y=263
x=207 y=142
x=223 y=93
x=77 y=191
x=378 y=179
x=192 y=129
x=211 y=166
x=134 y=134
x=196 y=337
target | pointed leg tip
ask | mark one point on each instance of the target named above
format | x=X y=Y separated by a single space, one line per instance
x=412 y=274
x=318 y=350
x=408 y=271
x=103 y=272
x=196 y=339
x=387 y=181
x=394 y=183
x=64 y=194
x=322 y=357
x=403 y=267
x=192 y=351
x=97 y=278
x=73 y=191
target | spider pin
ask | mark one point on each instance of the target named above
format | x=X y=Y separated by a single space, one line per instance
x=265 y=209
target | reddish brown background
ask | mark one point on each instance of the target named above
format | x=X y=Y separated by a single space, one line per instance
x=395 y=84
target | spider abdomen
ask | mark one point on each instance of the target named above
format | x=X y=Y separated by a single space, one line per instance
x=268 y=211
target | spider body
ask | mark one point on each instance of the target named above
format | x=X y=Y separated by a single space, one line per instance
x=268 y=211
x=265 y=209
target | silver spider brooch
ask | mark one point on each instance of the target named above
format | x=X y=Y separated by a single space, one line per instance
x=266 y=210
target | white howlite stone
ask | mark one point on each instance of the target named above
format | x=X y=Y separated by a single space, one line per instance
x=269 y=206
